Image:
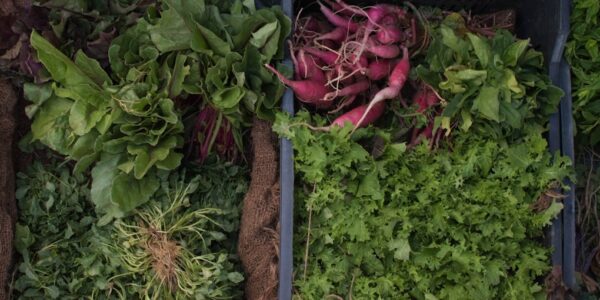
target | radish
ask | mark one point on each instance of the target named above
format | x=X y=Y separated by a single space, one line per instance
x=329 y=44
x=395 y=82
x=314 y=25
x=383 y=51
x=389 y=92
x=309 y=69
x=338 y=35
x=298 y=71
x=379 y=69
x=362 y=62
x=337 y=20
x=425 y=98
x=389 y=34
x=419 y=135
x=389 y=20
x=328 y=57
x=359 y=116
x=335 y=6
x=400 y=72
x=374 y=14
x=346 y=102
x=308 y=91
x=339 y=8
x=420 y=99
x=311 y=24
x=353 y=89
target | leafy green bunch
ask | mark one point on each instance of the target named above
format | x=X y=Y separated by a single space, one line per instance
x=178 y=246
x=127 y=127
x=583 y=53
x=126 y=132
x=220 y=48
x=493 y=86
x=90 y=25
x=57 y=237
x=394 y=223
x=167 y=248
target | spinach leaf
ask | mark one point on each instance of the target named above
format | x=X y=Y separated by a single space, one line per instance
x=495 y=83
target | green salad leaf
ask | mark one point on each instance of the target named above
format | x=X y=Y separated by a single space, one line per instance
x=127 y=127
x=415 y=223
x=126 y=132
x=499 y=82
x=583 y=54
x=193 y=219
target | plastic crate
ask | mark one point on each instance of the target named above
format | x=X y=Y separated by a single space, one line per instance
x=546 y=22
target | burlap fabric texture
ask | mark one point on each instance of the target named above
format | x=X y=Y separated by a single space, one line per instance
x=8 y=209
x=259 y=233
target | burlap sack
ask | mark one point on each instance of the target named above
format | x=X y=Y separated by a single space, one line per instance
x=8 y=209
x=259 y=237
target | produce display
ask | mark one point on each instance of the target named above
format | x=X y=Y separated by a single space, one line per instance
x=138 y=118
x=130 y=129
x=180 y=245
x=422 y=167
x=448 y=193
x=584 y=57
x=583 y=54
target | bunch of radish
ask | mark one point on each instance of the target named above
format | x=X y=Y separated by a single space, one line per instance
x=351 y=57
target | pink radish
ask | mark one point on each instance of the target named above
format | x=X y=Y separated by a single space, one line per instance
x=389 y=20
x=383 y=51
x=390 y=34
x=346 y=102
x=359 y=116
x=379 y=69
x=347 y=81
x=309 y=69
x=338 y=21
x=338 y=35
x=420 y=99
x=428 y=131
x=339 y=8
x=329 y=44
x=400 y=72
x=374 y=14
x=311 y=24
x=425 y=98
x=353 y=89
x=314 y=25
x=328 y=57
x=361 y=62
x=298 y=71
x=308 y=91
x=389 y=92
x=418 y=135
x=395 y=82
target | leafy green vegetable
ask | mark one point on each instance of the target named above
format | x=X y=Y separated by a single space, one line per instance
x=57 y=237
x=131 y=131
x=229 y=51
x=174 y=247
x=499 y=82
x=65 y=255
x=127 y=127
x=417 y=224
x=583 y=54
